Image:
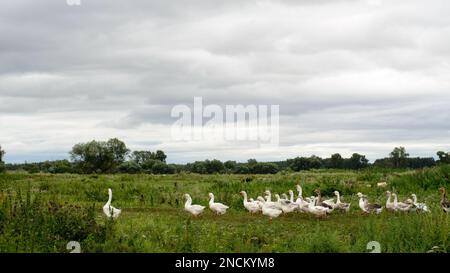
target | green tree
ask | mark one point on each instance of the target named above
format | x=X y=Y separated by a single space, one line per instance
x=356 y=161
x=443 y=157
x=99 y=156
x=336 y=161
x=140 y=157
x=2 y=164
x=399 y=157
x=2 y=153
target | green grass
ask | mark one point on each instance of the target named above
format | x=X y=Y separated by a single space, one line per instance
x=42 y=212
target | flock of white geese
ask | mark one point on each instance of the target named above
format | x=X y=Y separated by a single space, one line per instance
x=287 y=204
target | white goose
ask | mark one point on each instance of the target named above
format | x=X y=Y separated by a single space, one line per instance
x=271 y=211
x=218 y=208
x=389 y=203
x=317 y=210
x=192 y=209
x=288 y=206
x=367 y=207
x=420 y=206
x=269 y=201
x=341 y=205
x=260 y=201
x=252 y=207
x=400 y=206
x=300 y=190
x=109 y=210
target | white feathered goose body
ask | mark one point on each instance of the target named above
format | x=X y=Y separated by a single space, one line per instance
x=192 y=209
x=109 y=210
x=218 y=208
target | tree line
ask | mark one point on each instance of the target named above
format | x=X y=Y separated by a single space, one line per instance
x=113 y=156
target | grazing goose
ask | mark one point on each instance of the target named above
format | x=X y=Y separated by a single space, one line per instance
x=192 y=209
x=420 y=206
x=327 y=203
x=252 y=207
x=401 y=206
x=109 y=210
x=341 y=205
x=367 y=207
x=218 y=208
x=389 y=203
x=445 y=205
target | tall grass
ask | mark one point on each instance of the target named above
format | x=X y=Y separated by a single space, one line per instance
x=42 y=212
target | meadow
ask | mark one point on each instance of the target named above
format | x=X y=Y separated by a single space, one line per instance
x=43 y=212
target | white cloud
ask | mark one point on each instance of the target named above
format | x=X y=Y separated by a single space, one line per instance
x=349 y=76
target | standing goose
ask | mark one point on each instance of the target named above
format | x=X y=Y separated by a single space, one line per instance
x=367 y=207
x=341 y=205
x=260 y=201
x=252 y=207
x=301 y=203
x=317 y=210
x=218 y=208
x=288 y=206
x=192 y=209
x=389 y=203
x=445 y=204
x=109 y=210
x=300 y=191
x=271 y=211
x=401 y=206
x=420 y=206
x=327 y=203
x=269 y=201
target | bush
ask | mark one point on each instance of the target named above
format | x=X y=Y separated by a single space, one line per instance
x=45 y=226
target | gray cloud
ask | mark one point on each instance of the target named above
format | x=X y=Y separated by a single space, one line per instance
x=348 y=75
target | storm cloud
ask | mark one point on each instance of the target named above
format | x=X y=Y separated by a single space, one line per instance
x=349 y=76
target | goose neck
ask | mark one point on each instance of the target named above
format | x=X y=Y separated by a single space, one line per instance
x=188 y=202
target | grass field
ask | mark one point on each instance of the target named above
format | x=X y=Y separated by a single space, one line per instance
x=43 y=212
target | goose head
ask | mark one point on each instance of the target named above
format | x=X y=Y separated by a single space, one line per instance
x=317 y=191
x=242 y=193
x=277 y=196
x=109 y=191
x=267 y=192
x=259 y=198
x=336 y=193
x=360 y=195
x=284 y=196
x=291 y=192
x=298 y=187
x=211 y=195
x=388 y=193
x=442 y=190
x=187 y=196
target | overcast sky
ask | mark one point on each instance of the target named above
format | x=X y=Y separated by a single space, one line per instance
x=349 y=76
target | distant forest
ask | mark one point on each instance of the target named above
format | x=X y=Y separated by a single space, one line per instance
x=113 y=156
